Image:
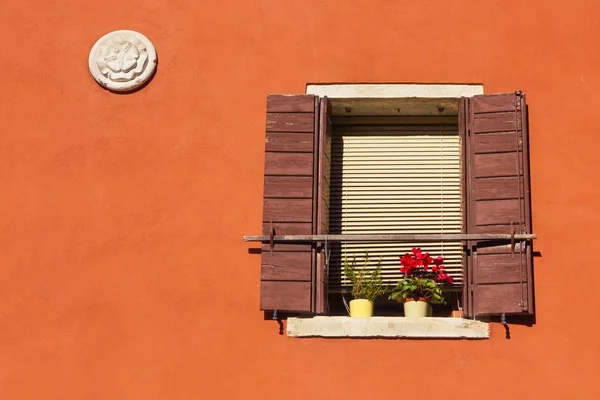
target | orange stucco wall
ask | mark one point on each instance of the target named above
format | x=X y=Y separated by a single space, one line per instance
x=123 y=274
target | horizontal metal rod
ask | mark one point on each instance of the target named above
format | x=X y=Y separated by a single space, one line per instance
x=402 y=237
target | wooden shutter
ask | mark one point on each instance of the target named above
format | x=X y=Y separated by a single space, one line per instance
x=499 y=280
x=287 y=272
x=323 y=174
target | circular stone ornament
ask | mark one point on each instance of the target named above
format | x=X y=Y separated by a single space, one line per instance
x=122 y=61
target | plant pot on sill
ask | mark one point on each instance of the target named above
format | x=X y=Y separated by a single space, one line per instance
x=417 y=308
x=361 y=308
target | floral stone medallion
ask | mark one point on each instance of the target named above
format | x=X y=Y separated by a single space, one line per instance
x=122 y=61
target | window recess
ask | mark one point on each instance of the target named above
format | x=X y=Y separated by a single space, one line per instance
x=401 y=178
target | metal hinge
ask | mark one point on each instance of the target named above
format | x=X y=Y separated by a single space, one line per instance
x=519 y=97
x=518 y=108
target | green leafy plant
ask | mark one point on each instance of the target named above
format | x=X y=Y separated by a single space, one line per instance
x=421 y=279
x=366 y=283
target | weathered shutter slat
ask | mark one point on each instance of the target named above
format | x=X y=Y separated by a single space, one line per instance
x=494 y=103
x=500 y=268
x=285 y=142
x=285 y=295
x=494 y=142
x=283 y=187
x=285 y=103
x=287 y=272
x=488 y=123
x=499 y=188
x=290 y=122
x=287 y=210
x=288 y=163
x=286 y=266
x=498 y=201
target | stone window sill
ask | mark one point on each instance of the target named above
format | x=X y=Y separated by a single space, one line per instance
x=388 y=327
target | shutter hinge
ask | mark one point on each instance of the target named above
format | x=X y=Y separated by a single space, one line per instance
x=518 y=109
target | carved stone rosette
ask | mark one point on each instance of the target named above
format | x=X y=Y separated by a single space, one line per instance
x=122 y=61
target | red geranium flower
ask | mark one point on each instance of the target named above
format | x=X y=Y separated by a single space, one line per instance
x=444 y=277
x=408 y=263
x=423 y=276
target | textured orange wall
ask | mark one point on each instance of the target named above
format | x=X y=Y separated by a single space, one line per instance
x=123 y=274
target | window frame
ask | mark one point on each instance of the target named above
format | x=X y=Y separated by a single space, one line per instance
x=505 y=110
x=408 y=100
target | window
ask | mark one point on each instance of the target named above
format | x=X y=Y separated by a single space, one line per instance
x=300 y=195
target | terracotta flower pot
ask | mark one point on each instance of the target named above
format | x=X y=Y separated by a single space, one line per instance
x=417 y=309
x=361 y=308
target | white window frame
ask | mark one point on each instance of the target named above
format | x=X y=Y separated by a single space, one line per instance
x=394 y=90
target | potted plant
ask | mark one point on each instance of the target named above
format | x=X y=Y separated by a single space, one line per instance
x=420 y=286
x=367 y=285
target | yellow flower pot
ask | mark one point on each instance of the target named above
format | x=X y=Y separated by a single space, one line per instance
x=417 y=309
x=361 y=308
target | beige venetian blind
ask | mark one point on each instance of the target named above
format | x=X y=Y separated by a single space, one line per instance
x=403 y=179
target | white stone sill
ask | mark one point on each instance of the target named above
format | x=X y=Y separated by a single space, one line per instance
x=388 y=327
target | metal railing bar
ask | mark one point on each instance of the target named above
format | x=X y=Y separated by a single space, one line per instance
x=404 y=237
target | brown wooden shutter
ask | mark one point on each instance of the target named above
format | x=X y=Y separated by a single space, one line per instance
x=323 y=175
x=287 y=272
x=498 y=279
